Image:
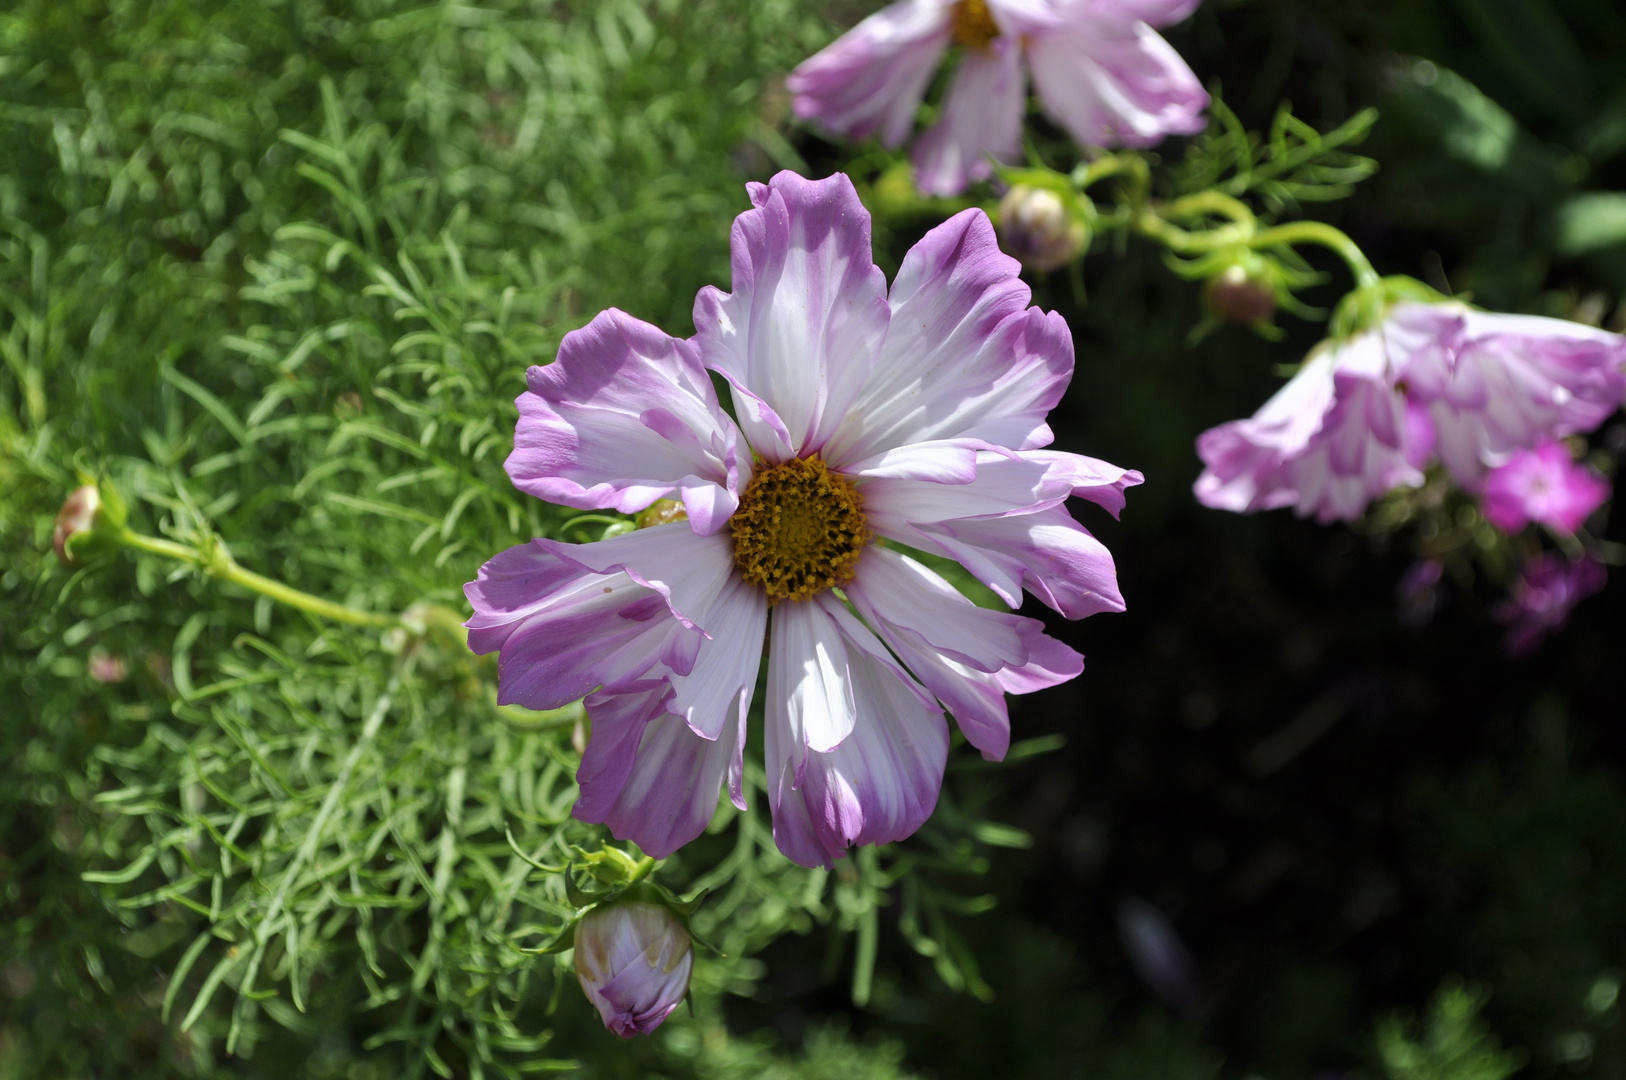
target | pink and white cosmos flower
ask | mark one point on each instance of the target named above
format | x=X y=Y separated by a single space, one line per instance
x=864 y=420
x=1101 y=72
x=1544 y=485
x=1368 y=414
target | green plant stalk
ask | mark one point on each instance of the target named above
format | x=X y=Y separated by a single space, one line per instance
x=1317 y=232
x=218 y=564
x=1153 y=223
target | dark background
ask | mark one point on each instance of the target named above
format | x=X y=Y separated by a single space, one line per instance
x=1336 y=813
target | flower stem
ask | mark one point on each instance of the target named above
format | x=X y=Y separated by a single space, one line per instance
x=1317 y=232
x=218 y=564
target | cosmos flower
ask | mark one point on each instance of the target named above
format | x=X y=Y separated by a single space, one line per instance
x=1493 y=384
x=869 y=423
x=1547 y=591
x=1101 y=72
x=1366 y=415
x=633 y=959
x=1326 y=444
x=1543 y=485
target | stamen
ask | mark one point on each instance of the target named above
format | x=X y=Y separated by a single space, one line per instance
x=799 y=530
x=974 y=26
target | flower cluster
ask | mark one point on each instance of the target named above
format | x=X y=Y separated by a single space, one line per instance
x=1429 y=380
x=1100 y=70
x=867 y=423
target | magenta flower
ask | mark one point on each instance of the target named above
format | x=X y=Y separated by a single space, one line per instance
x=1100 y=70
x=633 y=959
x=913 y=416
x=1545 y=485
x=1366 y=415
x=1547 y=591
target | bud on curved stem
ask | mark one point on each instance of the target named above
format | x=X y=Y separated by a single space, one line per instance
x=1237 y=297
x=634 y=959
x=1038 y=229
x=76 y=518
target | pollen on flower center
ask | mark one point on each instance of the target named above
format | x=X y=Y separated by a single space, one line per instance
x=974 y=27
x=799 y=530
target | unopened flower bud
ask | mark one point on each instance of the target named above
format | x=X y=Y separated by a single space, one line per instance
x=1036 y=227
x=77 y=517
x=634 y=959
x=1239 y=297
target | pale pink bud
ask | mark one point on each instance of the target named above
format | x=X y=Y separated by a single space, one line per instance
x=634 y=959
x=1238 y=297
x=1037 y=228
x=77 y=516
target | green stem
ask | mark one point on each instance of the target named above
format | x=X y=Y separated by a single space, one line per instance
x=220 y=565
x=1316 y=232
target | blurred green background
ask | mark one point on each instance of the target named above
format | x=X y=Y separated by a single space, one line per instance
x=276 y=268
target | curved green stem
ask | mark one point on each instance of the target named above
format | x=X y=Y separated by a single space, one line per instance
x=1316 y=232
x=1211 y=202
x=218 y=564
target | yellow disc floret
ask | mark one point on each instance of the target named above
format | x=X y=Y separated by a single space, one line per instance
x=974 y=27
x=799 y=530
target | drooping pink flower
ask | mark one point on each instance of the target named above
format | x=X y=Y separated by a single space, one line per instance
x=1547 y=591
x=1100 y=70
x=1493 y=384
x=633 y=959
x=913 y=416
x=1330 y=441
x=1366 y=415
x=1543 y=485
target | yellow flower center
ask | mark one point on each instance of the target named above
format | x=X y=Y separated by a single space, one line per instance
x=974 y=27
x=799 y=530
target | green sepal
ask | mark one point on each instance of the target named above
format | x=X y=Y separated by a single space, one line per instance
x=1364 y=308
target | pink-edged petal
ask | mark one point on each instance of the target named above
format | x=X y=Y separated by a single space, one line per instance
x=1048 y=553
x=1006 y=483
x=810 y=697
x=808 y=311
x=976 y=699
x=1151 y=12
x=966 y=656
x=717 y=690
x=1335 y=437
x=964 y=357
x=655 y=782
x=1112 y=83
x=945 y=462
x=871 y=79
x=624 y=416
x=891 y=589
x=982 y=116
x=618 y=721
x=879 y=785
x=570 y=618
x=1502 y=383
x=1101 y=482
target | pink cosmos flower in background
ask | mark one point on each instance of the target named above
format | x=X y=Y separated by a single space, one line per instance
x=867 y=419
x=1543 y=485
x=1493 y=384
x=1367 y=415
x=1101 y=72
x=1326 y=444
x=1547 y=591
